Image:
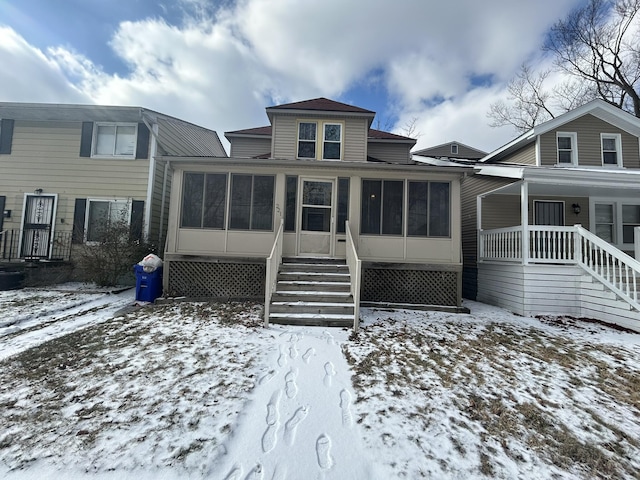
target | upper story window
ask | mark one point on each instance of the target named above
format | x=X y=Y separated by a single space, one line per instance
x=567 y=148
x=332 y=145
x=114 y=140
x=307 y=140
x=454 y=149
x=611 y=149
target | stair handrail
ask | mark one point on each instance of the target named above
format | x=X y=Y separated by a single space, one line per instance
x=274 y=260
x=612 y=267
x=355 y=272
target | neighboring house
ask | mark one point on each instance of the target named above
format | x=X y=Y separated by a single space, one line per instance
x=549 y=219
x=316 y=182
x=452 y=150
x=67 y=170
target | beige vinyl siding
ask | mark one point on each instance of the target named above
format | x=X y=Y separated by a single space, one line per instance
x=588 y=129
x=285 y=136
x=46 y=155
x=388 y=152
x=525 y=156
x=471 y=188
x=250 y=147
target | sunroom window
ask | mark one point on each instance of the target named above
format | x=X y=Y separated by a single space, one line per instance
x=382 y=207
x=429 y=209
x=251 y=202
x=114 y=140
x=204 y=200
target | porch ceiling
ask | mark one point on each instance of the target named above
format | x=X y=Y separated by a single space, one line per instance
x=564 y=190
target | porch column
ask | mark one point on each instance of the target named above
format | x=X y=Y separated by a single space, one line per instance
x=524 y=221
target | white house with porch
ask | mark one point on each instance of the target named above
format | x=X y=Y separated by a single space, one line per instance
x=550 y=218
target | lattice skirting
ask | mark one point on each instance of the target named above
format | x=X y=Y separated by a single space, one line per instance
x=410 y=286
x=215 y=280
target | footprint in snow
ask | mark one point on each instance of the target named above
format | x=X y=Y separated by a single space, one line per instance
x=330 y=372
x=291 y=387
x=256 y=473
x=282 y=359
x=266 y=378
x=329 y=338
x=323 y=452
x=308 y=354
x=291 y=427
x=235 y=473
x=293 y=352
x=269 y=437
x=345 y=406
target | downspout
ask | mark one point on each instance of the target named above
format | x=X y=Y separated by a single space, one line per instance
x=152 y=169
x=164 y=196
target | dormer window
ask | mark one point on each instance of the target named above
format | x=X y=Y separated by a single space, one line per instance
x=567 y=148
x=454 y=149
x=611 y=149
x=307 y=140
x=332 y=141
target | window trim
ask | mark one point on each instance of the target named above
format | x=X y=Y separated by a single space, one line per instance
x=618 y=139
x=574 y=148
x=129 y=202
x=617 y=204
x=324 y=141
x=94 y=140
x=315 y=156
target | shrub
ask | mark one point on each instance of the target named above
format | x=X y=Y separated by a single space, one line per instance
x=110 y=260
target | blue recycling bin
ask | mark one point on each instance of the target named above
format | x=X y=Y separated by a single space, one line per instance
x=148 y=284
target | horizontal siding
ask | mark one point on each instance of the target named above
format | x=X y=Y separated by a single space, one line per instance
x=552 y=290
x=250 y=147
x=588 y=129
x=389 y=152
x=46 y=155
x=524 y=156
x=285 y=136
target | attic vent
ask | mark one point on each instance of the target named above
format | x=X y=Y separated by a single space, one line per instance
x=454 y=149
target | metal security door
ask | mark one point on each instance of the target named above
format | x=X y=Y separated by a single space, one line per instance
x=37 y=226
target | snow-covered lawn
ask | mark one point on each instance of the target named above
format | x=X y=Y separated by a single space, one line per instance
x=197 y=390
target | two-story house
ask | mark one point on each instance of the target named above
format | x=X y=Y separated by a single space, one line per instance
x=67 y=170
x=549 y=219
x=316 y=184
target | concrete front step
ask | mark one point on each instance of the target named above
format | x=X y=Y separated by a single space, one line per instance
x=325 y=320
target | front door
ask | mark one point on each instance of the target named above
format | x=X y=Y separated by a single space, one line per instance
x=316 y=225
x=37 y=226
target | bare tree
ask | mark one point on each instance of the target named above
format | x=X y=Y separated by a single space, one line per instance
x=598 y=47
x=410 y=128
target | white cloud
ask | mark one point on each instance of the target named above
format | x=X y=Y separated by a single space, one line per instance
x=221 y=69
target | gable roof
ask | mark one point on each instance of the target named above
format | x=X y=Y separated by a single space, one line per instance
x=598 y=108
x=175 y=136
x=444 y=150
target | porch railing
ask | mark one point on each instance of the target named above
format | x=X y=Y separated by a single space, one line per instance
x=59 y=248
x=274 y=260
x=565 y=245
x=355 y=271
x=611 y=266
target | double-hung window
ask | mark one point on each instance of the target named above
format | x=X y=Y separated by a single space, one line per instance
x=567 y=148
x=105 y=215
x=630 y=220
x=204 y=200
x=307 y=140
x=332 y=145
x=611 y=149
x=114 y=140
x=251 y=200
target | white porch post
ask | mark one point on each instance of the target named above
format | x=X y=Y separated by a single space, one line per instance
x=524 y=215
x=480 y=251
x=636 y=243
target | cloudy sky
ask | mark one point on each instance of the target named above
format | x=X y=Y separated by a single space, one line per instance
x=219 y=63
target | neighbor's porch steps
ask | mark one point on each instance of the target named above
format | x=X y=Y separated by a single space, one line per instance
x=313 y=291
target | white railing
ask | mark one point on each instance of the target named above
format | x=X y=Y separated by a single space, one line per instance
x=273 y=266
x=550 y=244
x=355 y=271
x=502 y=244
x=565 y=245
x=611 y=266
